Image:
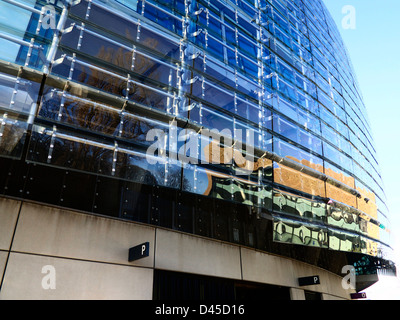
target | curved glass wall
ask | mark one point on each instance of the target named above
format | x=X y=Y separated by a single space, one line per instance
x=250 y=102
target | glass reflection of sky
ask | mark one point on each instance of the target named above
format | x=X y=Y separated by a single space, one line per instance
x=16 y=21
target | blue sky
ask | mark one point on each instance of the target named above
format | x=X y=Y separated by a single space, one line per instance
x=374 y=48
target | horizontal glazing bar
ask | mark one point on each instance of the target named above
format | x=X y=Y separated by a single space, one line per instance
x=23 y=6
x=118 y=76
x=19 y=41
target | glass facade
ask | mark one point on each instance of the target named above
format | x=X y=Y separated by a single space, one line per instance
x=238 y=120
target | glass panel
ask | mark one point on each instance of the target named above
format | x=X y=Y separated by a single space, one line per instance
x=340 y=195
x=344 y=241
x=248 y=87
x=166 y=20
x=163 y=46
x=223 y=76
x=105 y=50
x=247 y=47
x=248 y=134
x=61 y=149
x=286 y=128
x=136 y=129
x=249 y=67
x=310 y=141
x=296 y=180
x=337 y=174
x=149 y=97
x=214 y=47
x=17 y=94
x=287 y=108
x=112 y=22
x=13 y=129
x=310 y=122
x=148 y=68
x=296 y=232
x=219 y=97
x=93 y=76
x=214 y=120
x=343 y=218
x=80 y=113
x=224 y=186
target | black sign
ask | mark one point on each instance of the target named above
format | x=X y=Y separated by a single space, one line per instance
x=138 y=252
x=359 y=295
x=308 y=281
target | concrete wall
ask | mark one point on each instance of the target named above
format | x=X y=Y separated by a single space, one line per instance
x=52 y=253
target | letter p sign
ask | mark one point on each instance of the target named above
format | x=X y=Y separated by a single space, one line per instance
x=138 y=252
x=309 y=281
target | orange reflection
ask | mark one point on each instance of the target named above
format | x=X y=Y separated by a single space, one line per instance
x=340 y=195
x=368 y=206
x=340 y=176
x=298 y=180
x=305 y=183
x=308 y=163
x=216 y=154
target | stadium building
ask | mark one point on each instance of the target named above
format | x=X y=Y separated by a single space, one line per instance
x=184 y=149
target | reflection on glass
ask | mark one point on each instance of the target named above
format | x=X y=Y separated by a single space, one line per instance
x=344 y=218
x=13 y=129
x=337 y=174
x=227 y=187
x=225 y=71
x=296 y=232
x=344 y=241
x=297 y=206
x=297 y=180
x=62 y=149
x=18 y=94
x=340 y=195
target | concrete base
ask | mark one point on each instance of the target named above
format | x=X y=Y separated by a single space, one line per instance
x=52 y=253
